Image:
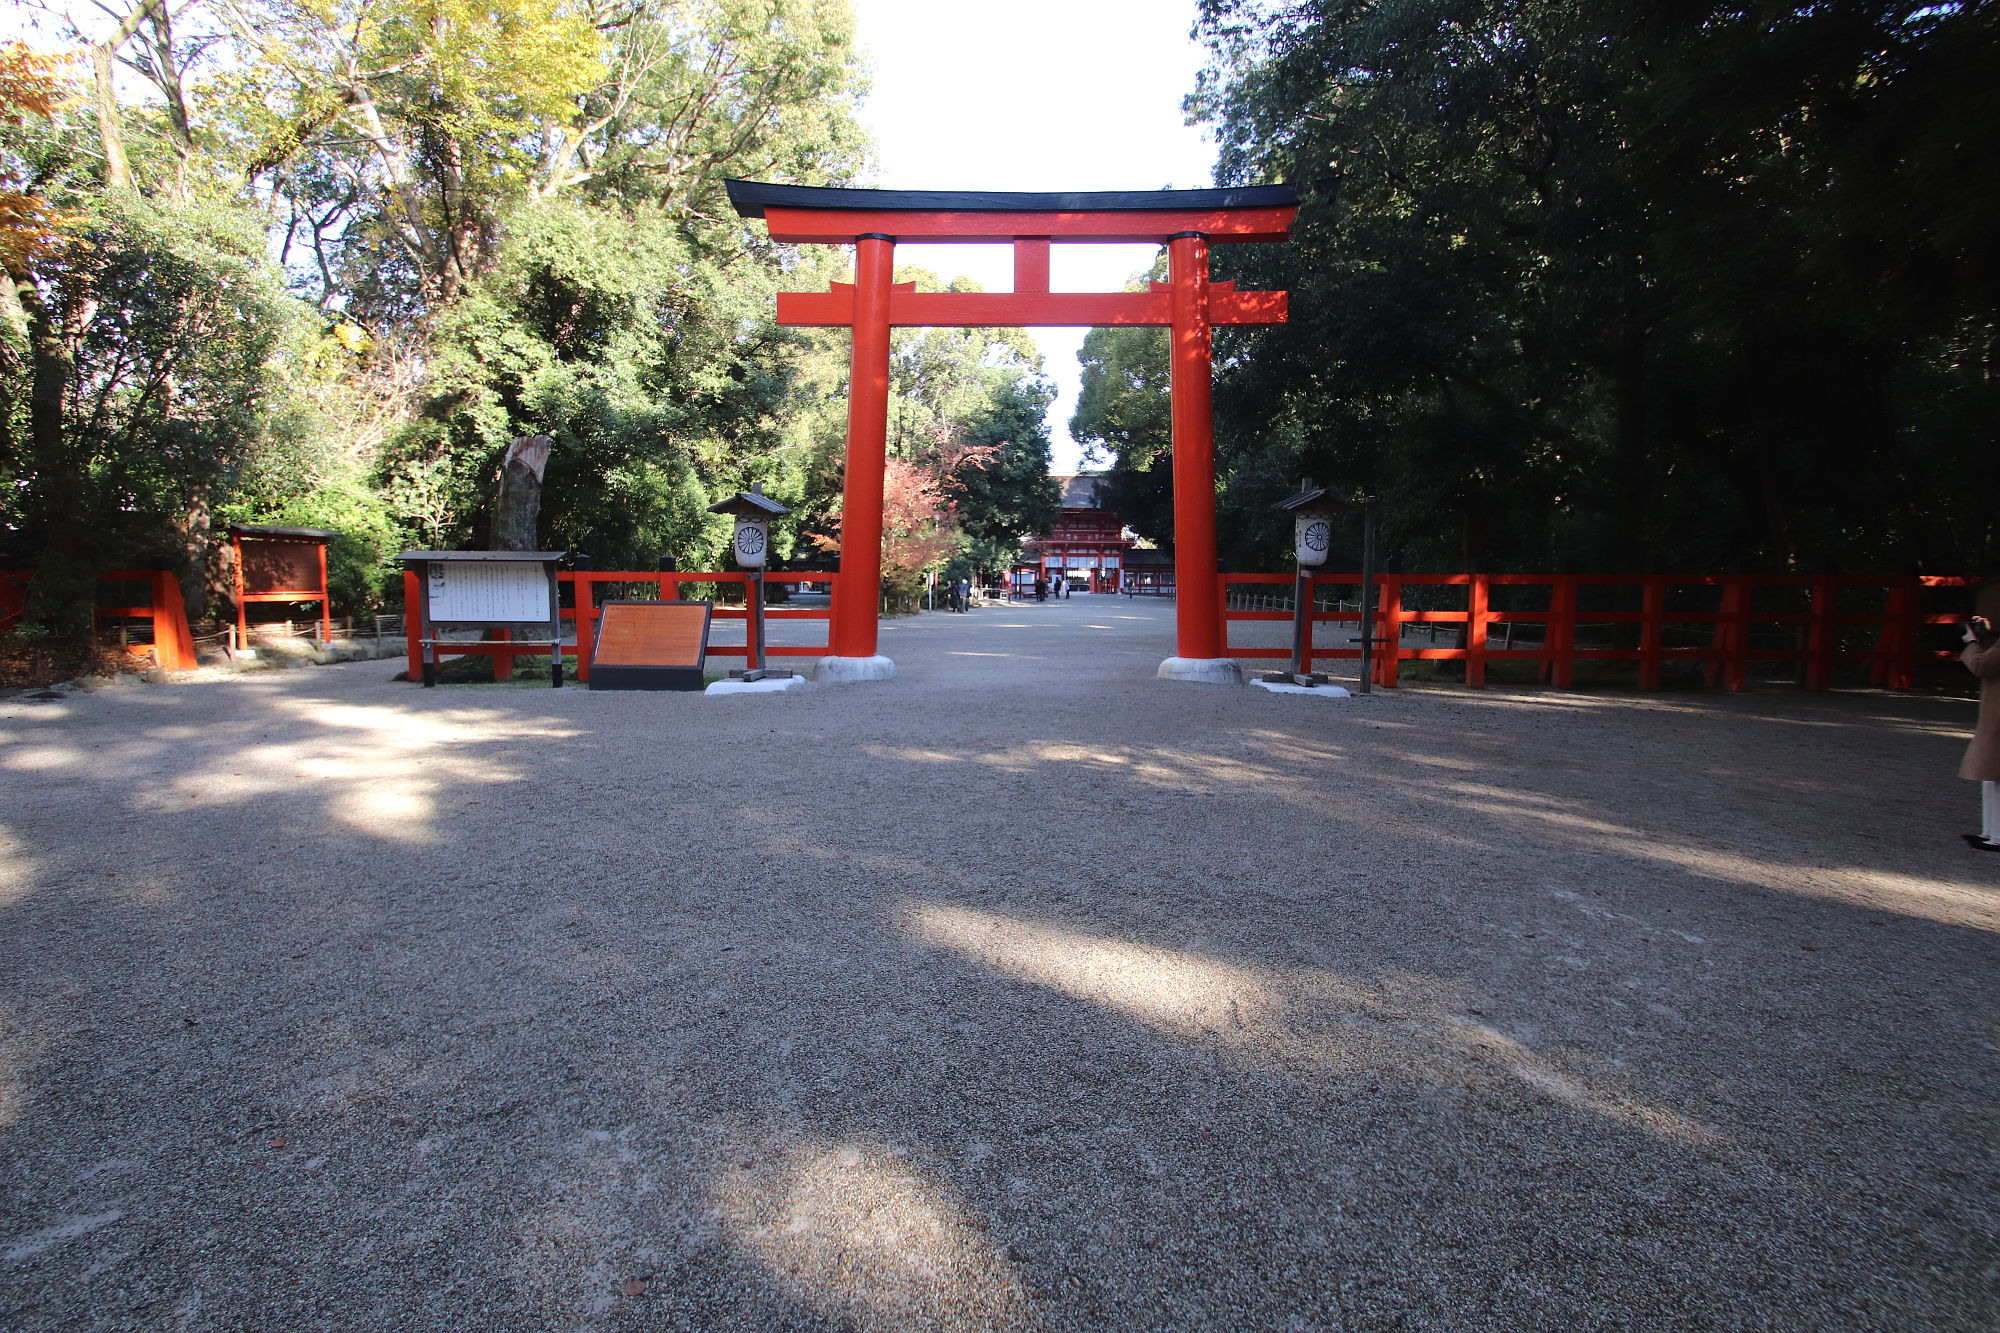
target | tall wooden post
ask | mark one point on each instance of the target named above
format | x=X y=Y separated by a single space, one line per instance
x=856 y=602
x=242 y=615
x=1367 y=618
x=325 y=602
x=1198 y=625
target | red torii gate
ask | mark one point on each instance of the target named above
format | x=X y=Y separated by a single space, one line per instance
x=1187 y=222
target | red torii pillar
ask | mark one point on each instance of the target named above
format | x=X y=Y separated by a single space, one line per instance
x=1187 y=222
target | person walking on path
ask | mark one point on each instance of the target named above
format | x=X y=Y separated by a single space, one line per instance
x=1982 y=758
x=1041 y=589
x=964 y=590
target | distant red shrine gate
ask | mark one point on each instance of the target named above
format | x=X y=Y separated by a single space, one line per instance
x=1085 y=544
x=1187 y=222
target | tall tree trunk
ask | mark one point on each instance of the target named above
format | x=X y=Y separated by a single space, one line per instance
x=117 y=169
x=205 y=581
x=65 y=586
x=1631 y=485
x=167 y=75
x=518 y=507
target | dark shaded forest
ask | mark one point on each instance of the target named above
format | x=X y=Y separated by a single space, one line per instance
x=1607 y=287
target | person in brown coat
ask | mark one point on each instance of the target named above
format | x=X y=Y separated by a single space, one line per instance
x=1982 y=757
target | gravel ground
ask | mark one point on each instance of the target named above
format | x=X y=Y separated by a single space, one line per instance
x=1024 y=991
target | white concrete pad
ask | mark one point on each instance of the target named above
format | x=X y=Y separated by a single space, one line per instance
x=1287 y=687
x=756 y=686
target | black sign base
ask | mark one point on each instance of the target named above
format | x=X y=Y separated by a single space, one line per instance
x=646 y=678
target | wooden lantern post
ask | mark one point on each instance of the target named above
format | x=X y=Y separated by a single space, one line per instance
x=1312 y=509
x=753 y=511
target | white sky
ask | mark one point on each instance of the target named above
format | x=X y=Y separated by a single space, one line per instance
x=1034 y=95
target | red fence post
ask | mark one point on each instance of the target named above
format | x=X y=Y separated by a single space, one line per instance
x=1734 y=631
x=1559 y=640
x=413 y=624
x=1899 y=634
x=325 y=600
x=584 y=603
x=1651 y=631
x=1475 y=631
x=1390 y=613
x=1821 y=635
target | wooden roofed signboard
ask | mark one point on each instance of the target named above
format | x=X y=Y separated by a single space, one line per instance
x=514 y=592
x=282 y=565
x=650 y=646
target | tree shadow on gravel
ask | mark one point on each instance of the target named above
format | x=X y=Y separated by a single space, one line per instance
x=319 y=1015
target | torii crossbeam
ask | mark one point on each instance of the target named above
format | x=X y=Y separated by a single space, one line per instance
x=1187 y=222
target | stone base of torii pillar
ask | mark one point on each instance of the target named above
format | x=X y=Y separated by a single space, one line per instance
x=849 y=670
x=1208 y=670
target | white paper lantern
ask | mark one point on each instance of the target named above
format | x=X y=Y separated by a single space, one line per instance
x=1312 y=537
x=753 y=542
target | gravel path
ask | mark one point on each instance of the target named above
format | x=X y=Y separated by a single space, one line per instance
x=1024 y=991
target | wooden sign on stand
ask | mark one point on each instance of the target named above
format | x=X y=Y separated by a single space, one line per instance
x=485 y=590
x=285 y=565
x=650 y=646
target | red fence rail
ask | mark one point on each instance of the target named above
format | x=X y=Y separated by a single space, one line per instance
x=583 y=613
x=1818 y=611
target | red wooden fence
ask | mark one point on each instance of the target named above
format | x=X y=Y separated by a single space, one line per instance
x=584 y=612
x=1822 y=630
x=1821 y=627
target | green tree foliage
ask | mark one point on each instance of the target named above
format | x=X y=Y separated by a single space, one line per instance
x=1002 y=490
x=1124 y=416
x=339 y=254
x=1682 y=287
x=969 y=405
x=135 y=388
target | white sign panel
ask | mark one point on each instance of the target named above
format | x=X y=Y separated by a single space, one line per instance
x=489 y=591
x=1312 y=538
x=753 y=542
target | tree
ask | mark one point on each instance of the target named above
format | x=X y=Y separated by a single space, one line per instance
x=32 y=230
x=147 y=379
x=1124 y=409
x=1000 y=485
x=1623 y=286
x=407 y=132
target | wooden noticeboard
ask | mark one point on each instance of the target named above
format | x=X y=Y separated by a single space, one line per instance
x=515 y=591
x=488 y=592
x=271 y=566
x=650 y=646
